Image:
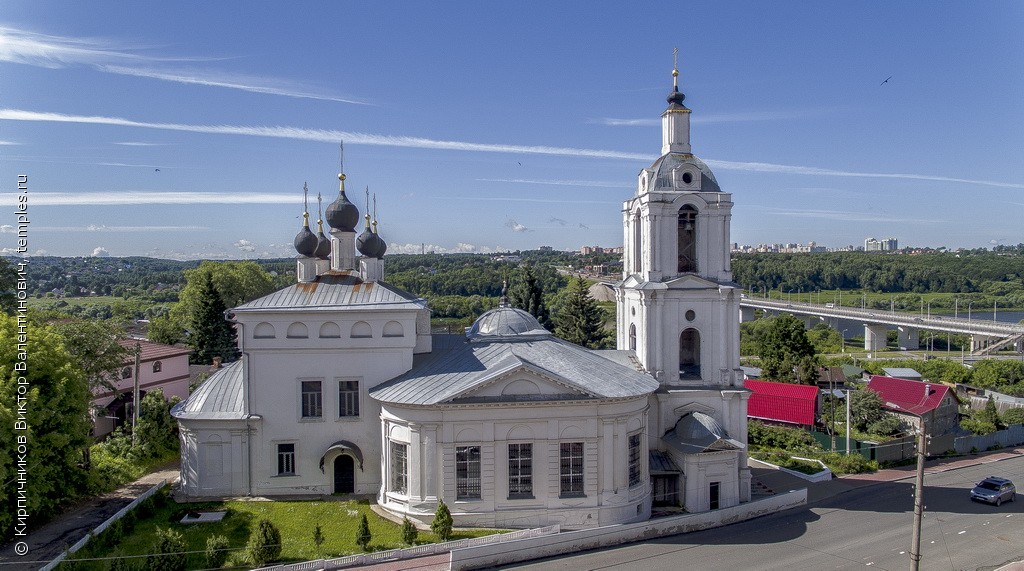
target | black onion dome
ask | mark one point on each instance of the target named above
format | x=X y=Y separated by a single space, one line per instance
x=305 y=242
x=370 y=244
x=676 y=97
x=342 y=214
x=323 y=245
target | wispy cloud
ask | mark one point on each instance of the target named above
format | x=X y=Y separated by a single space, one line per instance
x=55 y=52
x=321 y=135
x=538 y=200
x=9 y=143
x=139 y=144
x=332 y=136
x=589 y=183
x=133 y=197
x=738 y=117
x=844 y=215
x=105 y=228
x=515 y=226
x=793 y=169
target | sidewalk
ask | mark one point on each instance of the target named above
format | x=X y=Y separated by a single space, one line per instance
x=50 y=540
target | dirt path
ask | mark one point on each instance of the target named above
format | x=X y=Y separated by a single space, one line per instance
x=50 y=540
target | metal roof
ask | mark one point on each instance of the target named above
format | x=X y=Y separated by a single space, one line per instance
x=150 y=351
x=660 y=463
x=506 y=321
x=697 y=432
x=221 y=397
x=335 y=291
x=782 y=402
x=902 y=395
x=451 y=376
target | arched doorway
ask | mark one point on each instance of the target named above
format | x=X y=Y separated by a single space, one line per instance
x=632 y=337
x=689 y=354
x=344 y=475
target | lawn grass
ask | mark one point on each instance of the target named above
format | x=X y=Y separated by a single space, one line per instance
x=296 y=521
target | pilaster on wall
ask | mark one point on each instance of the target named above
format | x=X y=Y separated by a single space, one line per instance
x=875 y=337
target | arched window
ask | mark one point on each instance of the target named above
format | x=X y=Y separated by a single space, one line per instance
x=297 y=330
x=393 y=329
x=361 y=330
x=157 y=367
x=263 y=331
x=689 y=354
x=637 y=242
x=632 y=337
x=687 y=232
x=126 y=373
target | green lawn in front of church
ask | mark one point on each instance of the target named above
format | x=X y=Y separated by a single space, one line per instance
x=296 y=521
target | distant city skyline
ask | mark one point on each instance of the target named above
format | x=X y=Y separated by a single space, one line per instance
x=186 y=132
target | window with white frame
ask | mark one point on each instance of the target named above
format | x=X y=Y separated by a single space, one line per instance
x=634 y=460
x=570 y=468
x=467 y=473
x=399 y=454
x=348 y=398
x=520 y=470
x=157 y=367
x=286 y=459
x=312 y=399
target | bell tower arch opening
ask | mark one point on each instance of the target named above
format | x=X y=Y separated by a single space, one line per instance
x=687 y=238
x=689 y=354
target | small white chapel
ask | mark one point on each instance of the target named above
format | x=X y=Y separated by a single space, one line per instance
x=342 y=389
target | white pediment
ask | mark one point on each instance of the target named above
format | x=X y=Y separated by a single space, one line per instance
x=691 y=281
x=694 y=407
x=520 y=380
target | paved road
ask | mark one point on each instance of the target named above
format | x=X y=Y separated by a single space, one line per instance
x=865 y=526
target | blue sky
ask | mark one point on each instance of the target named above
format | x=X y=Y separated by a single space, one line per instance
x=493 y=126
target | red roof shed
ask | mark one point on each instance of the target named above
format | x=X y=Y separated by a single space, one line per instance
x=782 y=402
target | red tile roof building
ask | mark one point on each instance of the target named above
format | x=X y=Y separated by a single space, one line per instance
x=782 y=402
x=917 y=401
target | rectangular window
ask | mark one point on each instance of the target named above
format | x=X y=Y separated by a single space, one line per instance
x=348 y=398
x=286 y=459
x=520 y=470
x=312 y=400
x=634 y=460
x=571 y=468
x=399 y=467
x=467 y=473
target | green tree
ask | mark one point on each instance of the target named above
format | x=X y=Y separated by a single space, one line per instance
x=97 y=349
x=579 y=320
x=211 y=334
x=168 y=552
x=783 y=347
x=993 y=373
x=442 y=523
x=216 y=551
x=409 y=532
x=8 y=281
x=527 y=294
x=157 y=432
x=165 y=329
x=363 y=535
x=865 y=409
x=989 y=414
x=55 y=399
x=264 y=543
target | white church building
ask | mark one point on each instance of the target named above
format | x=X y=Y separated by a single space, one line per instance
x=342 y=389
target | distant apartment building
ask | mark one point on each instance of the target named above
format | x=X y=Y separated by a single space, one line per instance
x=586 y=250
x=810 y=247
x=886 y=245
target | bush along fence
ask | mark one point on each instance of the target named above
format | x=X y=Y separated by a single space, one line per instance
x=113 y=520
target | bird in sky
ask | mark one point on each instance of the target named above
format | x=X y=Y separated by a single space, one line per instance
x=520 y=164
x=886 y=81
x=156 y=170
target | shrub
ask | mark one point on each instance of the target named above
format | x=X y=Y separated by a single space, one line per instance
x=264 y=543
x=442 y=524
x=1013 y=416
x=885 y=426
x=977 y=426
x=409 y=531
x=363 y=535
x=119 y=562
x=761 y=435
x=848 y=463
x=318 y=538
x=168 y=552
x=216 y=551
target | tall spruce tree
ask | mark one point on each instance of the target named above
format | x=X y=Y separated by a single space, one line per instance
x=783 y=348
x=527 y=294
x=211 y=334
x=579 y=320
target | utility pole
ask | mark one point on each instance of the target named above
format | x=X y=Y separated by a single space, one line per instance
x=848 y=422
x=915 y=547
x=135 y=390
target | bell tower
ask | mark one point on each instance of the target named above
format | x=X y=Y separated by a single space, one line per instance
x=677 y=305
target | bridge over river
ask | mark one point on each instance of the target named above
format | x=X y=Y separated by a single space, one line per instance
x=986 y=336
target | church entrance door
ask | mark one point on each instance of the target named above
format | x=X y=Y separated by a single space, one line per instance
x=344 y=475
x=665 y=490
